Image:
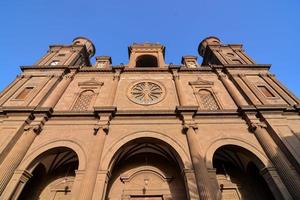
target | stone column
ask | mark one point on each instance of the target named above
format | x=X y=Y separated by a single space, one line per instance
x=180 y=93
x=114 y=87
x=53 y=98
x=236 y=97
x=288 y=175
x=191 y=185
x=16 y=185
x=275 y=184
x=201 y=172
x=17 y=153
x=101 y=184
x=89 y=180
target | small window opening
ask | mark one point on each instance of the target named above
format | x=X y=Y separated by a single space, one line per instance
x=61 y=54
x=22 y=95
x=265 y=91
x=146 y=61
x=54 y=62
x=236 y=61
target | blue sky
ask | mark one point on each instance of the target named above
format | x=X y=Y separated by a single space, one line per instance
x=268 y=29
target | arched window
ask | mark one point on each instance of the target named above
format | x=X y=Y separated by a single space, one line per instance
x=207 y=101
x=146 y=61
x=84 y=100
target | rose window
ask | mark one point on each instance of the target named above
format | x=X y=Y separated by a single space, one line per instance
x=146 y=93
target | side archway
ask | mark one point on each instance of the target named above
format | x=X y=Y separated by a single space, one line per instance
x=260 y=157
x=52 y=175
x=238 y=171
x=29 y=160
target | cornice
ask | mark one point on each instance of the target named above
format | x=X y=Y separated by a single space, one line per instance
x=44 y=67
x=105 y=109
x=217 y=112
x=247 y=66
x=145 y=112
x=73 y=114
x=18 y=109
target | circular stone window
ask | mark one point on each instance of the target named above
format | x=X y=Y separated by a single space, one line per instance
x=146 y=92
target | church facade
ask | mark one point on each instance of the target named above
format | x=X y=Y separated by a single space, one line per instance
x=148 y=130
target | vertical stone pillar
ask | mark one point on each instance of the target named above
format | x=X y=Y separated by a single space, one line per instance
x=289 y=176
x=114 y=87
x=191 y=184
x=201 y=172
x=101 y=185
x=53 y=98
x=275 y=184
x=16 y=185
x=17 y=153
x=180 y=93
x=89 y=179
x=236 y=98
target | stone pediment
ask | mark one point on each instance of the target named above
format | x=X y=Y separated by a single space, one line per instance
x=201 y=81
x=91 y=82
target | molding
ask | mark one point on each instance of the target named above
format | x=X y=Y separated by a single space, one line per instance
x=201 y=81
x=217 y=112
x=91 y=82
x=18 y=109
x=105 y=109
x=250 y=66
x=187 y=108
x=48 y=67
x=145 y=112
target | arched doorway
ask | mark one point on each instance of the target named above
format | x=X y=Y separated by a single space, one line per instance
x=53 y=175
x=238 y=174
x=146 y=169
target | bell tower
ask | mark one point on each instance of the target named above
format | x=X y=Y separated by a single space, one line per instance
x=76 y=54
x=214 y=52
x=146 y=55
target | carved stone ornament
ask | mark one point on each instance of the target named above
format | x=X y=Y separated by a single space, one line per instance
x=146 y=92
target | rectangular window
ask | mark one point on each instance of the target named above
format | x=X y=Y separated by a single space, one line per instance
x=22 y=95
x=265 y=91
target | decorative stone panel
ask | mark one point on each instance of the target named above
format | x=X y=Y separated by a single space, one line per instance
x=146 y=92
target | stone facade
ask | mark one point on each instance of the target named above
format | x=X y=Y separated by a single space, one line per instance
x=223 y=129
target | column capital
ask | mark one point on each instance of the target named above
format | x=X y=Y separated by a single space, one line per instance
x=68 y=76
x=104 y=127
x=175 y=74
x=35 y=128
x=117 y=74
x=263 y=74
x=188 y=125
x=254 y=125
x=222 y=74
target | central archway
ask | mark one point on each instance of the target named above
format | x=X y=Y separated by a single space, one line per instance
x=146 y=168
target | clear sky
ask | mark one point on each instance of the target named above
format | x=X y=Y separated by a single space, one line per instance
x=269 y=29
